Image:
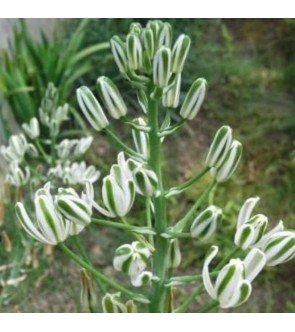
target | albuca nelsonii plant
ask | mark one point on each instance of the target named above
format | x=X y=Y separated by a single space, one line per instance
x=152 y=62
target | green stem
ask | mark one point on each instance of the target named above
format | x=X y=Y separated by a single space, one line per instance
x=53 y=150
x=208 y=307
x=172 y=234
x=84 y=254
x=41 y=150
x=139 y=237
x=121 y=144
x=172 y=129
x=179 y=189
x=181 y=225
x=107 y=280
x=159 y=291
x=149 y=219
x=113 y=224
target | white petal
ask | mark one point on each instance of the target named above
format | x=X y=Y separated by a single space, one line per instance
x=205 y=273
x=254 y=263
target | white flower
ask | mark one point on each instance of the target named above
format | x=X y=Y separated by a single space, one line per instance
x=16 y=149
x=233 y=283
x=205 y=223
x=131 y=258
x=229 y=164
x=219 y=147
x=72 y=207
x=279 y=247
x=49 y=227
x=18 y=176
x=32 y=129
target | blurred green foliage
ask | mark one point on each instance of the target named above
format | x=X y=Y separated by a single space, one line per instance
x=28 y=66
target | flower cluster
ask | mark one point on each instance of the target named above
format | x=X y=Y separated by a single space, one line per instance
x=14 y=154
x=233 y=282
x=126 y=178
x=56 y=216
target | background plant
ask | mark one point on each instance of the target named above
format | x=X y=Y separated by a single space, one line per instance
x=28 y=66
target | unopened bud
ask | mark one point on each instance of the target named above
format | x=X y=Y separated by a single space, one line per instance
x=119 y=51
x=179 y=53
x=162 y=67
x=230 y=163
x=170 y=98
x=32 y=129
x=219 y=147
x=111 y=97
x=194 y=99
x=134 y=51
x=206 y=222
x=91 y=109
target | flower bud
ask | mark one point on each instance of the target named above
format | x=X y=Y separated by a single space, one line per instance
x=16 y=149
x=119 y=51
x=146 y=181
x=194 y=99
x=230 y=163
x=82 y=145
x=134 y=51
x=251 y=232
x=131 y=258
x=18 y=176
x=162 y=67
x=165 y=36
x=32 y=129
x=142 y=279
x=117 y=198
x=170 y=98
x=111 y=304
x=206 y=223
x=155 y=26
x=88 y=297
x=72 y=207
x=65 y=148
x=175 y=254
x=131 y=307
x=111 y=97
x=149 y=42
x=140 y=138
x=179 y=53
x=50 y=227
x=91 y=109
x=279 y=248
x=219 y=147
x=76 y=173
x=135 y=28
